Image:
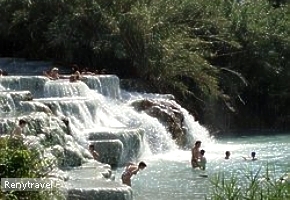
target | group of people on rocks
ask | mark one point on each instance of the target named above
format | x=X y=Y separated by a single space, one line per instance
x=53 y=73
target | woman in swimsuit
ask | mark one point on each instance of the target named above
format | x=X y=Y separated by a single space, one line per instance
x=130 y=170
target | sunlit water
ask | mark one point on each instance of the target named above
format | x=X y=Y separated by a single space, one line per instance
x=170 y=177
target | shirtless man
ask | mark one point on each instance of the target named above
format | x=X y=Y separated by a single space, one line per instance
x=130 y=170
x=195 y=154
x=17 y=132
x=93 y=152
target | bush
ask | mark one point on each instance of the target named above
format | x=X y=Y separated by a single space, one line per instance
x=249 y=185
x=18 y=161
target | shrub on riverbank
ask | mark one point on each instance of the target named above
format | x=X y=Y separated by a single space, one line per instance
x=18 y=161
x=250 y=186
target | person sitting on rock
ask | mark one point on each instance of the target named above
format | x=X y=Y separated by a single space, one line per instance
x=130 y=170
x=103 y=71
x=72 y=79
x=77 y=75
x=75 y=68
x=93 y=152
x=52 y=74
x=76 y=72
x=17 y=132
x=86 y=71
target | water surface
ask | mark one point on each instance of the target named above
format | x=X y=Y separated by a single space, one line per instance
x=169 y=175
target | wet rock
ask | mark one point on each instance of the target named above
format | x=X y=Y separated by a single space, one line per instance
x=58 y=152
x=34 y=84
x=100 y=189
x=48 y=135
x=131 y=139
x=34 y=106
x=110 y=151
x=168 y=113
x=72 y=157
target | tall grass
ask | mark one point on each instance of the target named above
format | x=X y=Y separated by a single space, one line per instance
x=250 y=185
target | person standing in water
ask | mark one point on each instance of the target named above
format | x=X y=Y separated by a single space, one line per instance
x=253 y=157
x=195 y=154
x=202 y=160
x=228 y=154
x=130 y=170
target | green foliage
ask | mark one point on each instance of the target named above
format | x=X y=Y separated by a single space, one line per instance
x=249 y=186
x=163 y=50
x=18 y=161
x=222 y=54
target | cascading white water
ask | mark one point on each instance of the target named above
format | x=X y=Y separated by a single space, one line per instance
x=64 y=88
x=85 y=105
x=106 y=85
x=194 y=129
x=197 y=132
x=169 y=175
x=87 y=109
x=2 y=88
x=7 y=105
x=90 y=113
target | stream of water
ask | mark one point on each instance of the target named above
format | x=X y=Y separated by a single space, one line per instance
x=99 y=103
x=169 y=176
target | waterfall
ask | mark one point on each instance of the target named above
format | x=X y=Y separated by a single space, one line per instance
x=107 y=85
x=197 y=132
x=97 y=111
x=96 y=105
x=64 y=88
x=64 y=118
x=194 y=129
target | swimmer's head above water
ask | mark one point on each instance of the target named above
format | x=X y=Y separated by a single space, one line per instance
x=228 y=153
x=253 y=154
x=142 y=165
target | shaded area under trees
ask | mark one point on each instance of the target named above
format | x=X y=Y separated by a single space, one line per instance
x=226 y=62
